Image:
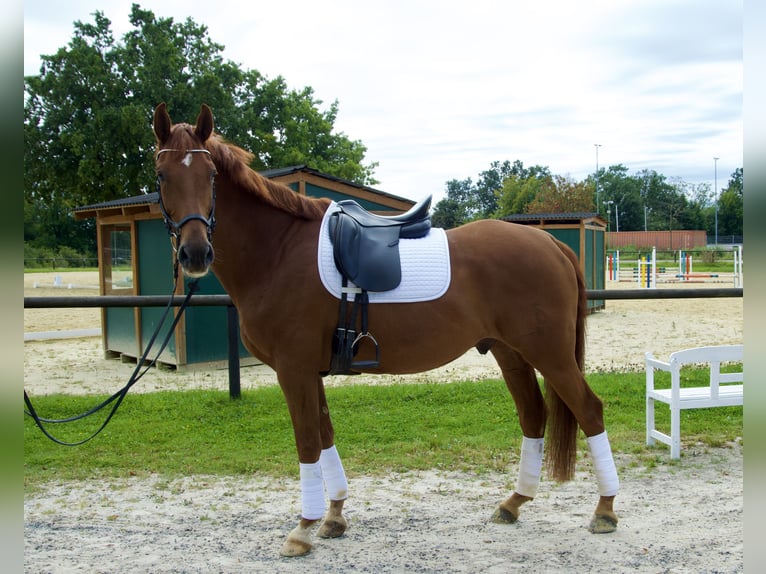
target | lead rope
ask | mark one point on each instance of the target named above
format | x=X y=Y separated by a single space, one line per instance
x=118 y=397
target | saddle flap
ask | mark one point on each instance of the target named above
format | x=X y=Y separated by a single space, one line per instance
x=366 y=256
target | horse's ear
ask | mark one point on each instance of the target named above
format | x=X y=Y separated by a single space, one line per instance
x=204 y=125
x=161 y=123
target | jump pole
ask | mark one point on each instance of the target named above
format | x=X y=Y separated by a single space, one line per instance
x=647 y=270
x=684 y=265
x=617 y=266
x=613 y=266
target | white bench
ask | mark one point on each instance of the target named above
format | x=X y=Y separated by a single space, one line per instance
x=718 y=393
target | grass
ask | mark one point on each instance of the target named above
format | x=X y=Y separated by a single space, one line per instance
x=457 y=426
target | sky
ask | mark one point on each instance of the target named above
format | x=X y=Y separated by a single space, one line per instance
x=438 y=90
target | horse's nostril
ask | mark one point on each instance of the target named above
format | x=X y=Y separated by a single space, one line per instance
x=196 y=258
x=183 y=256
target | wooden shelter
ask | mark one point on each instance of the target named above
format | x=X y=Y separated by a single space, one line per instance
x=135 y=258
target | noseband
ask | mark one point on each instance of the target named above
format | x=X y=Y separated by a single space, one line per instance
x=174 y=227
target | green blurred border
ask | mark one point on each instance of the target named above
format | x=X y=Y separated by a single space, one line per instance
x=11 y=279
x=755 y=281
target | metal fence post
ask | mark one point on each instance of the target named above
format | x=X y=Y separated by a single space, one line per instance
x=233 y=329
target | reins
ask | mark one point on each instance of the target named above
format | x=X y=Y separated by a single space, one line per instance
x=174 y=230
x=137 y=374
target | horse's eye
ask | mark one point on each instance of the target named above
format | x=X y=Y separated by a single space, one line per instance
x=160 y=176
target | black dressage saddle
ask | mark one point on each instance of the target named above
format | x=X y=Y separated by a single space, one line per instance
x=366 y=253
x=366 y=246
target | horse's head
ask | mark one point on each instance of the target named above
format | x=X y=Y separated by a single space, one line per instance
x=186 y=187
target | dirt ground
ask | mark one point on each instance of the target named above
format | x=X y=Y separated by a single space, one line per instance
x=683 y=516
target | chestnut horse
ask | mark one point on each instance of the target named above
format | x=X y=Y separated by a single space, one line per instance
x=514 y=291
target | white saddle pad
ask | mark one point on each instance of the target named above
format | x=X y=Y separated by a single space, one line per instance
x=425 y=267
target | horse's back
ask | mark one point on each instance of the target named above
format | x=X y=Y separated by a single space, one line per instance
x=503 y=248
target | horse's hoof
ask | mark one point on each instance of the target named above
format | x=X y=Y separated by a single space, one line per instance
x=298 y=543
x=333 y=527
x=504 y=516
x=602 y=524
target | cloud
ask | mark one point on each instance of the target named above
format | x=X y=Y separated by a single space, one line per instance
x=439 y=90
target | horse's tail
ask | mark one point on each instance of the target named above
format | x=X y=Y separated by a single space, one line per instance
x=561 y=451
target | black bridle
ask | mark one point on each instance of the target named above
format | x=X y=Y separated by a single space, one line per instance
x=174 y=227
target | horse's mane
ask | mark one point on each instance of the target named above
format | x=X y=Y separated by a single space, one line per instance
x=234 y=162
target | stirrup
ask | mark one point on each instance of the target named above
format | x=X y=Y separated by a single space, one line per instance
x=373 y=364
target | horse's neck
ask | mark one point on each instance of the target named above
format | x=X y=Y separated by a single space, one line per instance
x=253 y=240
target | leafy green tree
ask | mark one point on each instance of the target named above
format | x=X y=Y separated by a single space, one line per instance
x=518 y=193
x=620 y=196
x=645 y=200
x=519 y=188
x=731 y=206
x=697 y=209
x=458 y=205
x=655 y=196
x=490 y=184
x=87 y=115
x=490 y=196
x=559 y=194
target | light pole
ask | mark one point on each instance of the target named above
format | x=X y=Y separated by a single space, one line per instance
x=646 y=213
x=715 y=192
x=609 y=215
x=645 y=195
x=597 y=198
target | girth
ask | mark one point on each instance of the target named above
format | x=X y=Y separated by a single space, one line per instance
x=366 y=253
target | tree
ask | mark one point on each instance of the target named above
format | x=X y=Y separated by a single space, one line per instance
x=731 y=206
x=493 y=195
x=645 y=200
x=621 y=193
x=490 y=184
x=697 y=211
x=456 y=208
x=87 y=116
x=559 y=194
x=519 y=188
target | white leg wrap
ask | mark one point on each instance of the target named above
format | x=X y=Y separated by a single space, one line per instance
x=530 y=465
x=334 y=476
x=312 y=491
x=603 y=465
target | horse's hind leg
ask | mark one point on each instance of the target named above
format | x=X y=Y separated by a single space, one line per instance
x=521 y=380
x=570 y=387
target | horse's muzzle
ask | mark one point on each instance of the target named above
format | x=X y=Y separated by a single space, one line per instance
x=195 y=258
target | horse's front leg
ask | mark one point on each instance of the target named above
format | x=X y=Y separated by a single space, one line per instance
x=299 y=541
x=327 y=473
x=320 y=468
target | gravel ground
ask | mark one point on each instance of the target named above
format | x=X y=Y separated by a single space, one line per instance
x=676 y=518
